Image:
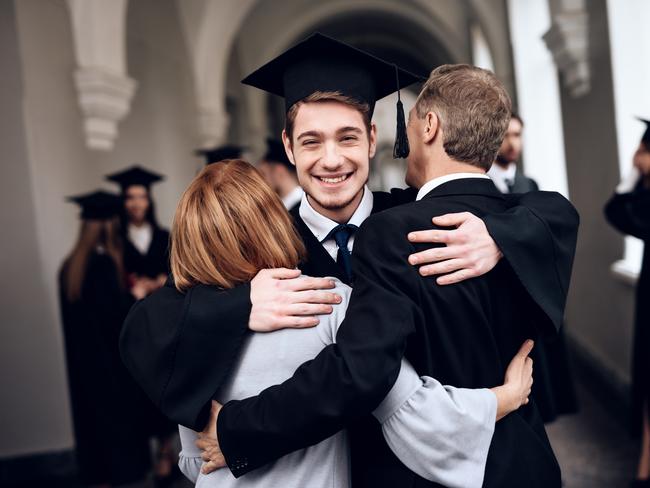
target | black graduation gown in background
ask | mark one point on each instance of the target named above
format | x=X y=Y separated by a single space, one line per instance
x=630 y=214
x=180 y=347
x=155 y=262
x=110 y=444
x=151 y=264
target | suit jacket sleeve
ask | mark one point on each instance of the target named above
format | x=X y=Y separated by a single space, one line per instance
x=347 y=379
x=180 y=347
x=538 y=236
x=630 y=212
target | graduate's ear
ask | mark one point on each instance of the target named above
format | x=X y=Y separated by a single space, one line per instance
x=372 y=137
x=287 y=146
x=431 y=127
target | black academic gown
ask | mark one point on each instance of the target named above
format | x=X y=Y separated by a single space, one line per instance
x=183 y=375
x=554 y=389
x=152 y=264
x=110 y=445
x=630 y=214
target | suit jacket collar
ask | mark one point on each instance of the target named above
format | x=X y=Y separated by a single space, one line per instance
x=465 y=186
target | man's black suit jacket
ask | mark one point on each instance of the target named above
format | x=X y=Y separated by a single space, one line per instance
x=181 y=347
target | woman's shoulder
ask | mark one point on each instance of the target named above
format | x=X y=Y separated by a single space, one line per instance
x=329 y=323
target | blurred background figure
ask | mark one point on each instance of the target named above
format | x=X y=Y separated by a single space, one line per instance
x=219 y=153
x=280 y=174
x=553 y=389
x=111 y=446
x=146 y=265
x=504 y=171
x=629 y=212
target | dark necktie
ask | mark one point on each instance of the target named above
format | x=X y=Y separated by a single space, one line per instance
x=341 y=234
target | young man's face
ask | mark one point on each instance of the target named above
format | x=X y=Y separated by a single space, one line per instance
x=512 y=142
x=331 y=149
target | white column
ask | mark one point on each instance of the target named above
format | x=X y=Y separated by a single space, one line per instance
x=538 y=95
x=629 y=40
x=105 y=90
x=481 y=55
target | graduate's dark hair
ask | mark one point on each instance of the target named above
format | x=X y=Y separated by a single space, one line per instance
x=229 y=225
x=473 y=108
x=515 y=115
x=91 y=234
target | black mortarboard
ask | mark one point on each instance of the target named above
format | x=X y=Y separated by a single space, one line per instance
x=645 y=138
x=135 y=175
x=275 y=153
x=98 y=205
x=216 y=154
x=320 y=63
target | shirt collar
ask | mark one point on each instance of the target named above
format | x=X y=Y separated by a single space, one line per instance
x=292 y=198
x=436 y=182
x=502 y=176
x=321 y=226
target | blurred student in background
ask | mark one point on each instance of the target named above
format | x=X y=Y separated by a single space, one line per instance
x=111 y=448
x=629 y=212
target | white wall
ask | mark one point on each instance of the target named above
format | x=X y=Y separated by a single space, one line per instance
x=538 y=95
x=630 y=50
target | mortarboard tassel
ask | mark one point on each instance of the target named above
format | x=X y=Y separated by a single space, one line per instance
x=401 y=148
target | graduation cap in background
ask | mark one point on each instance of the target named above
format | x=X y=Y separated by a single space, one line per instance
x=135 y=175
x=98 y=205
x=216 y=154
x=275 y=154
x=645 y=138
x=320 y=63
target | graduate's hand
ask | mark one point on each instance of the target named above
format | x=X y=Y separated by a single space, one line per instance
x=518 y=382
x=209 y=444
x=470 y=251
x=281 y=299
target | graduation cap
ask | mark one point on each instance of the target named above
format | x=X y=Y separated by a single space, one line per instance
x=216 y=154
x=645 y=138
x=135 y=175
x=275 y=153
x=98 y=205
x=320 y=63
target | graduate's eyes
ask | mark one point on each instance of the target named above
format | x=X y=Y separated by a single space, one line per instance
x=349 y=138
x=309 y=142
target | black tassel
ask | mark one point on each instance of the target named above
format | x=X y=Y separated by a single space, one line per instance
x=401 y=149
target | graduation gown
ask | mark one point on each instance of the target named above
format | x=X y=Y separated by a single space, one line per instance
x=110 y=444
x=554 y=388
x=155 y=262
x=183 y=375
x=630 y=214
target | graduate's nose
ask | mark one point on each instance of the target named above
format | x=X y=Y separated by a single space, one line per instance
x=332 y=159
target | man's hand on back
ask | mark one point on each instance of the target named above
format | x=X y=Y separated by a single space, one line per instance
x=282 y=299
x=469 y=252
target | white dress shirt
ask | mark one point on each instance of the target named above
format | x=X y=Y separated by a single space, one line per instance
x=141 y=236
x=436 y=182
x=321 y=226
x=503 y=177
x=293 y=198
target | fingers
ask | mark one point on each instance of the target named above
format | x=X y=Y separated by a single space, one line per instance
x=309 y=309
x=316 y=296
x=210 y=466
x=452 y=220
x=430 y=236
x=526 y=348
x=282 y=273
x=310 y=284
x=434 y=255
x=294 y=322
x=447 y=266
x=457 y=277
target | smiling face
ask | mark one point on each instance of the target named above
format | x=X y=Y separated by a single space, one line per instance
x=331 y=149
